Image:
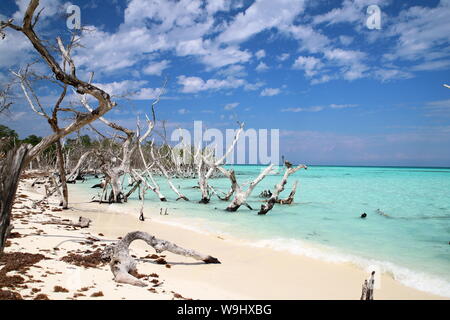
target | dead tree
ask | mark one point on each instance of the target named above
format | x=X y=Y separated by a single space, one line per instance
x=367 y=288
x=123 y=265
x=290 y=198
x=52 y=119
x=154 y=187
x=203 y=175
x=279 y=188
x=65 y=78
x=163 y=170
x=114 y=167
x=10 y=169
x=75 y=173
x=240 y=196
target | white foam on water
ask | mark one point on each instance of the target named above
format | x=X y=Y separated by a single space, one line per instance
x=414 y=279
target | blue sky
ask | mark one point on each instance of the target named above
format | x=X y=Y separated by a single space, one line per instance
x=339 y=92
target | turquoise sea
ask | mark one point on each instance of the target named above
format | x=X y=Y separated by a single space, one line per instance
x=410 y=240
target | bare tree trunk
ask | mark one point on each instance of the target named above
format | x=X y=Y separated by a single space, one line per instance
x=76 y=171
x=10 y=170
x=203 y=177
x=166 y=175
x=241 y=196
x=122 y=264
x=137 y=184
x=141 y=179
x=290 y=198
x=280 y=188
x=62 y=175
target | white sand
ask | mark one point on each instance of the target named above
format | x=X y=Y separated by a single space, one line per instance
x=245 y=273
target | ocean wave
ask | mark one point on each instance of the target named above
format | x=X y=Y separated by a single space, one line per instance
x=411 y=278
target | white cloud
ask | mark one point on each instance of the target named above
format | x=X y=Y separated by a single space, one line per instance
x=283 y=56
x=309 y=39
x=351 y=11
x=253 y=86
x=270 y=92
x=351 y=62
x=157 y=26
x=346 y=40
x=391 y=74
x=311 y=65
x=130 y=89
x=146 y=94
x=260 y=16
x=260 y=54
x=309 y=109
x=322 y=79
x=196 y=84
x=183 y=111
x=420 y=30
x=320 y=108
x=156 y=68
x=231 y=106
x=440 y=108
x=432 y=65
x=118 y=88
x=343 y=106
x=262 y=67
x=235 y=70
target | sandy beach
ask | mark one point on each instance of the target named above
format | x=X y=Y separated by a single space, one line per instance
x=245 y=272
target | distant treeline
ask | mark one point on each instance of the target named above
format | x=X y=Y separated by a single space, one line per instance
x=9 y=139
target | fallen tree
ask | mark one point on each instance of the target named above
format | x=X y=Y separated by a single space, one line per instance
x=123 y=265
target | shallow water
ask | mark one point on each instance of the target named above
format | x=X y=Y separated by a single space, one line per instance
x=406 y=232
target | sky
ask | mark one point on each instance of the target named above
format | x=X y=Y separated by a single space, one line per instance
x=339 y=92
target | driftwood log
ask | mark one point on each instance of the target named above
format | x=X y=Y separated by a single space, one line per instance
x=10 y=170
x=81 y=223
x=123 y=265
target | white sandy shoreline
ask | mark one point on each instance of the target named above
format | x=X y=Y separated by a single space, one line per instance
x=246 y=272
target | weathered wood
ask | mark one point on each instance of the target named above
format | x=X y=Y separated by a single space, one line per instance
x=290 y=198
x=203 y=177
x=104 y=100
x=265 y=208
x=62 y=175
x=241 y=196
x=166 y=175
x=367 y=288
x=10 y=170
x=123 y=265
x=76 y=170
x=81 y=223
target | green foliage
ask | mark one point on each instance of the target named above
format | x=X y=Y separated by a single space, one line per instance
x=8 y=133
x=32 y=139
x=8 y=139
